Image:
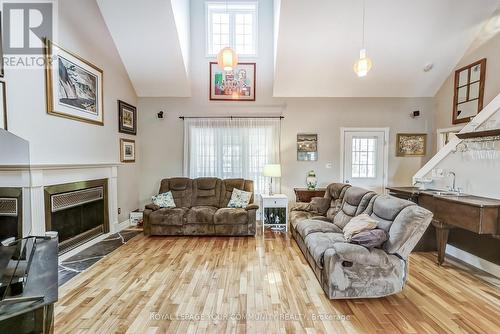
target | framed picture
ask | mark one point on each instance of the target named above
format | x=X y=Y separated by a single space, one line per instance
x=307 y=147
x=1 y=51
x=74 y=86
x=127 y=118
x=411 y=144
x=236 y=85
x=3 y=106
x=127 y=150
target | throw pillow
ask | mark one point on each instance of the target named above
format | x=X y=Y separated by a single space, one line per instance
x=370 y=239
x=320 y=205
x=360 y=223
x=164 y=200
x=239 y=199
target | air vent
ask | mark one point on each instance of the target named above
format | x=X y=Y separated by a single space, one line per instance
x=8 y=207
x=75 y=198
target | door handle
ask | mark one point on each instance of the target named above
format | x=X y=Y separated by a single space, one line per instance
x=347 y=181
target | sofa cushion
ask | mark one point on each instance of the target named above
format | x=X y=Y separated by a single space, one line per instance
x=206 y=191
x=318 y=243
x=335 y=193
x=181 y=189
x=201 y=215
x=306 y=227
x=386 y=208
x=230 y=216
x=370 y=239
x=227 y=189
x=320 y=205
x=168 y=216
x=164 y=200
x=356 y=201
x=239 y=199
x=358 y=224
x=297 y=216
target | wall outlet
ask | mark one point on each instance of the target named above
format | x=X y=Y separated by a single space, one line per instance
x=438 y=172
x=329 y=165
x=119 y=210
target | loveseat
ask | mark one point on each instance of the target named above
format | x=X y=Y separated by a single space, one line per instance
x=201 y=208
x=348 y=270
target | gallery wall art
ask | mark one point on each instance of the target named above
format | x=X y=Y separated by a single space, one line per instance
x=127 y=118
x=411 y=144
x=127 y=150
x=235 y=85
x=74 y=86
x=307 y=147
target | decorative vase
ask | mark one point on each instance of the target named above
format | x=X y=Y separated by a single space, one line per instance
x=311 y=180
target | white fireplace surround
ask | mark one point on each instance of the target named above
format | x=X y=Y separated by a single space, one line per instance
x=34 y=179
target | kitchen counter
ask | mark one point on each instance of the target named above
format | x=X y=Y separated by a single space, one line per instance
x=463 y=199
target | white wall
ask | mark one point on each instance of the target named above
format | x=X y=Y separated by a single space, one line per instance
x=161 y=141
x=57 y=140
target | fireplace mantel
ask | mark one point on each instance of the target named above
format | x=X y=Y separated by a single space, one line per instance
x=38 y=176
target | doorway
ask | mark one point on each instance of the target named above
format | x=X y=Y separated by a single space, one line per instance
x=364 y=157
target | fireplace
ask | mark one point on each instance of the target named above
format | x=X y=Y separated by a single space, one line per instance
x=78 y=211
x=10 y=213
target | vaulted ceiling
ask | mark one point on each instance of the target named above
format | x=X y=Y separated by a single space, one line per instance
x=315 y=44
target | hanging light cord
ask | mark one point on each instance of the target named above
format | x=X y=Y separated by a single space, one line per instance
x=363 y=34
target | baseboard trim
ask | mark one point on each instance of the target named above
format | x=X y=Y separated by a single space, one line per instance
x=121 y=226
x=473 y=260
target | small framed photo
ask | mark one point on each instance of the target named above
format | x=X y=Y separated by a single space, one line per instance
x=3 y=106
x=411 y=144
x=235 y=85
x=127 y=118
x=127 y=150
x=307 y=147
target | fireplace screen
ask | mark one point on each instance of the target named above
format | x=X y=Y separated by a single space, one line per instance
x=78 y=211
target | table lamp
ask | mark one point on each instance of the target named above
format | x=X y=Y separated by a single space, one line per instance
x=272 y=170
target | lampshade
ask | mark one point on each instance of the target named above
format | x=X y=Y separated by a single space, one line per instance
x=273 y=170
x=363 y=65
x=227 y=59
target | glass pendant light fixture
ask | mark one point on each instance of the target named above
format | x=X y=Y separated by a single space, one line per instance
x=364 y=64
x=227 y=58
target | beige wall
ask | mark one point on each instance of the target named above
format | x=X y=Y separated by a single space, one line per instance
x=161 y=146
x=56 y=140
x=486 y=45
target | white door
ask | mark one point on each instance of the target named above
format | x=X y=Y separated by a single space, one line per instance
x=365 y=158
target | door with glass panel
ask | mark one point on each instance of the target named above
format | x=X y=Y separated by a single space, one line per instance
x=364 y=159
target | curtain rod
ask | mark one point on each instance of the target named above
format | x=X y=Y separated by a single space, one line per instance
x=231 y=117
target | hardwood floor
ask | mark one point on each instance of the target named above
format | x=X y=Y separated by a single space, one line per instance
x=210 y=283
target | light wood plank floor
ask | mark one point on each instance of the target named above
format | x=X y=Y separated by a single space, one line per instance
x=209 y=283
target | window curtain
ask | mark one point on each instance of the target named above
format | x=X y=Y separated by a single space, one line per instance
x=231 y=148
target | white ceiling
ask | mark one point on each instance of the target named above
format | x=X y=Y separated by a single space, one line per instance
x=153 y=41
x=319 y=41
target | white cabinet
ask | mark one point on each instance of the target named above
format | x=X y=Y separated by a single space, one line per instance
x=274 y=211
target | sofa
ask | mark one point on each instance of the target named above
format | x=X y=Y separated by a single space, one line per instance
x=348 y=270
x=201 y=209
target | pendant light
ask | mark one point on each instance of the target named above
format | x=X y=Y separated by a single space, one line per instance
x=364 y=64
x=227 y=59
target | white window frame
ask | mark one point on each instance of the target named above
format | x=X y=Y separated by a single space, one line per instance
x=208 y=26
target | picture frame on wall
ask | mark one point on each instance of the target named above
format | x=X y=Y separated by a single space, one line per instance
x=235 y=85
x=127 y=150
x=1 y=51
x=74 y=86
x=307 y=147
x=411 y=144
x=127 y=118
x=3 y=106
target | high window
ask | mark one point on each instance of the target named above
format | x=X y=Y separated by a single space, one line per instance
x=233 y=25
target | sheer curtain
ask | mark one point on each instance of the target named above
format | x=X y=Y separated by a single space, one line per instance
x=231 y=147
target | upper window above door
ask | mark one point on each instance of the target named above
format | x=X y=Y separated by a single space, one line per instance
x=232 y=24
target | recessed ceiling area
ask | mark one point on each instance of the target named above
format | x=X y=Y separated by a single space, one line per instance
x=318 y=43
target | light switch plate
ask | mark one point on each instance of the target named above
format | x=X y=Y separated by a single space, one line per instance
x=329 y=165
